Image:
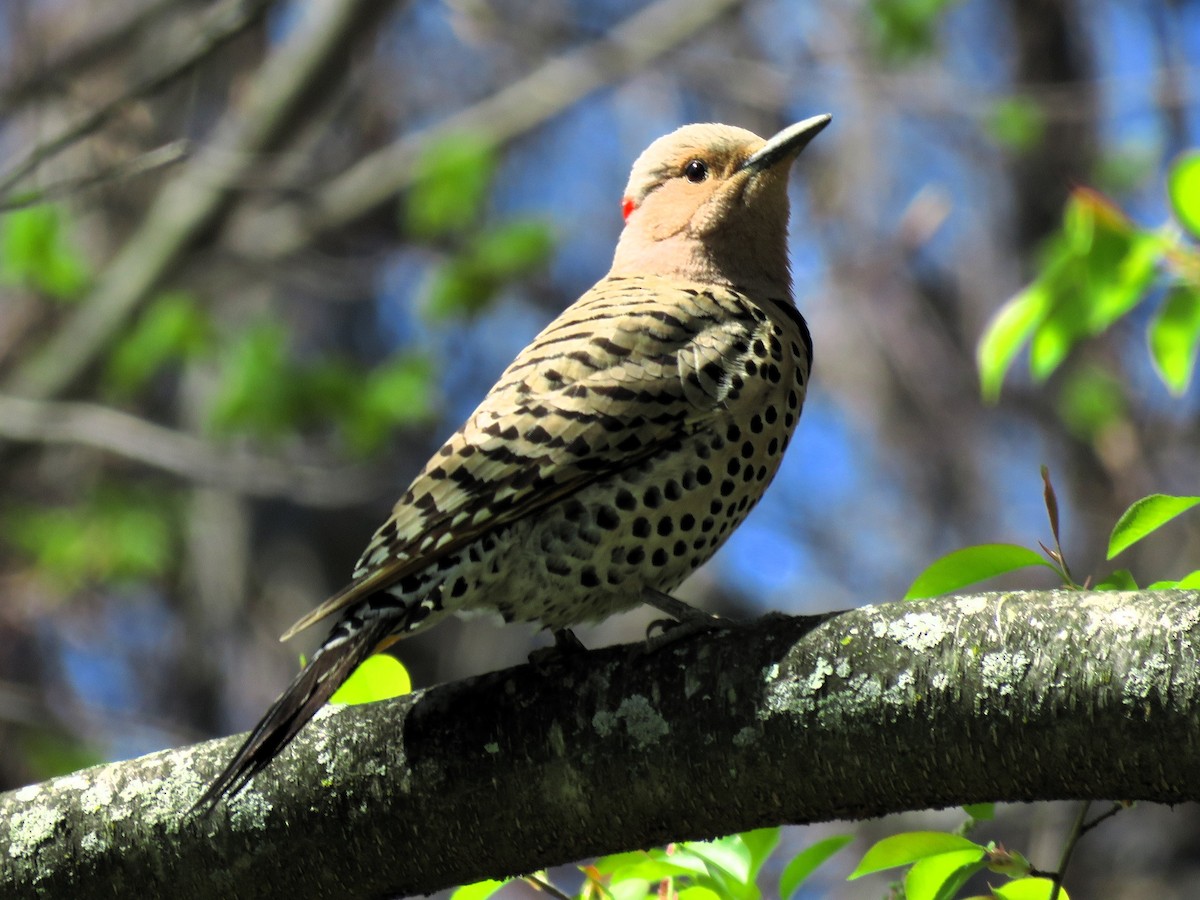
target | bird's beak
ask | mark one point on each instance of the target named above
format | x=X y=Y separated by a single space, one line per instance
x=787 y=144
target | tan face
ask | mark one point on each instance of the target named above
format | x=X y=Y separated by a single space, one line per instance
x=684 y=178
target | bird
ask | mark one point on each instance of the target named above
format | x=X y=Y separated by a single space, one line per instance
x=617 y=452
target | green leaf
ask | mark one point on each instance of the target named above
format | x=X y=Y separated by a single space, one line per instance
x=698 y=892
x=633 y=889
x=1173 y=335
x=172 y=328
x=1005 y=335
x=808 y=861
x=457 y=287
x=1145 y=516
x=378 y=677
x=1120 y=580
x=1183 y=187
x=905 y=29
x=760 y=842
x=395 y=394
x=513 y=249
x=1017 y=122
x=1162 y=585
x=728 y=854
x=981 y=812
x=905 y=849
x=255 y=391
x=114 y=535
x=969 y=565
x=480 y=890
x=1090 y=402
x=1190 y=581
x=450 y=183
x=35 y=250
x=941 y=877
x=1029 y=889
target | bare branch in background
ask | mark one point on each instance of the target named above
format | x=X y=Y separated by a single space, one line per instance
x=150 y=161
x=216 y=27
x=188 y=457
x=519 y=107
x=198 y=195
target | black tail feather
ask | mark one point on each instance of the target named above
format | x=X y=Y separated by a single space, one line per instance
x=316 y=683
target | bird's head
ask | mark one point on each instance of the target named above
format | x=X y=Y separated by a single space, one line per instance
x=709 y=203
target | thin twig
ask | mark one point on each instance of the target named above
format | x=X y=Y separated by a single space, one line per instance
x=216 y=27
x=1072 y=839
x=158 y=158
x=187 y=456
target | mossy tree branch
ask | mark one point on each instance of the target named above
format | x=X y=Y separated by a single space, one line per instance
x=1015 y=696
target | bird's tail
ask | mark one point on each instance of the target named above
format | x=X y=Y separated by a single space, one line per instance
x=331 y=665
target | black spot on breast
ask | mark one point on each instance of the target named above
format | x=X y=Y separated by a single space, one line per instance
x=726 y=488
x=751 y=368
x=773 y=374
x=557 y=566
x=733 y=433
x=747 y=450
x=793 y=400
x=761 y=474
x=607 y=518
x=686 y=522
x=689 y=480
x=704 y=475
x=760 y=349
x=715 y=507
x=660 y=557
x=652 y=497
x=733 y=466
x=460 y=587
x=574 y=510
x=635 y=556
x=588 y=577
x=679 y=549
x=665 y=526
x=641 y=527
x=772 y=446
x=756 y=423
x=625 y=500
x=770 y=414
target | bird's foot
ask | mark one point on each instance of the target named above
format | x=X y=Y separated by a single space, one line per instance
x=565 y=646
x=685 y=621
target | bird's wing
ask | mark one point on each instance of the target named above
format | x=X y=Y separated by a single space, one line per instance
x=631 y=367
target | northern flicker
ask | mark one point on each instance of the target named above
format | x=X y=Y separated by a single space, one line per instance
x=618 y=451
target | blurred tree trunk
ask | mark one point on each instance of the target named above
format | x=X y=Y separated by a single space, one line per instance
x=1018 y=696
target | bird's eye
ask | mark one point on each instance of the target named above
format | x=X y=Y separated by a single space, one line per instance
x=695 y=171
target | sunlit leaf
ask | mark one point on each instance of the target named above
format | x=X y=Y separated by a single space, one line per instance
x=808 y=861
x=480 y=890
x=1190 y=582
x=698 y=892
x=1174 y=334
x=1144 y=517
x=378 y=677
x=969 y=565
x=1028 y=889
x=940 y=877
x=1183 y=187
x=1008 y=331
x=905 y=849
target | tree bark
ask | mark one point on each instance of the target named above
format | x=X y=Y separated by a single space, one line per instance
x=1009 y=697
